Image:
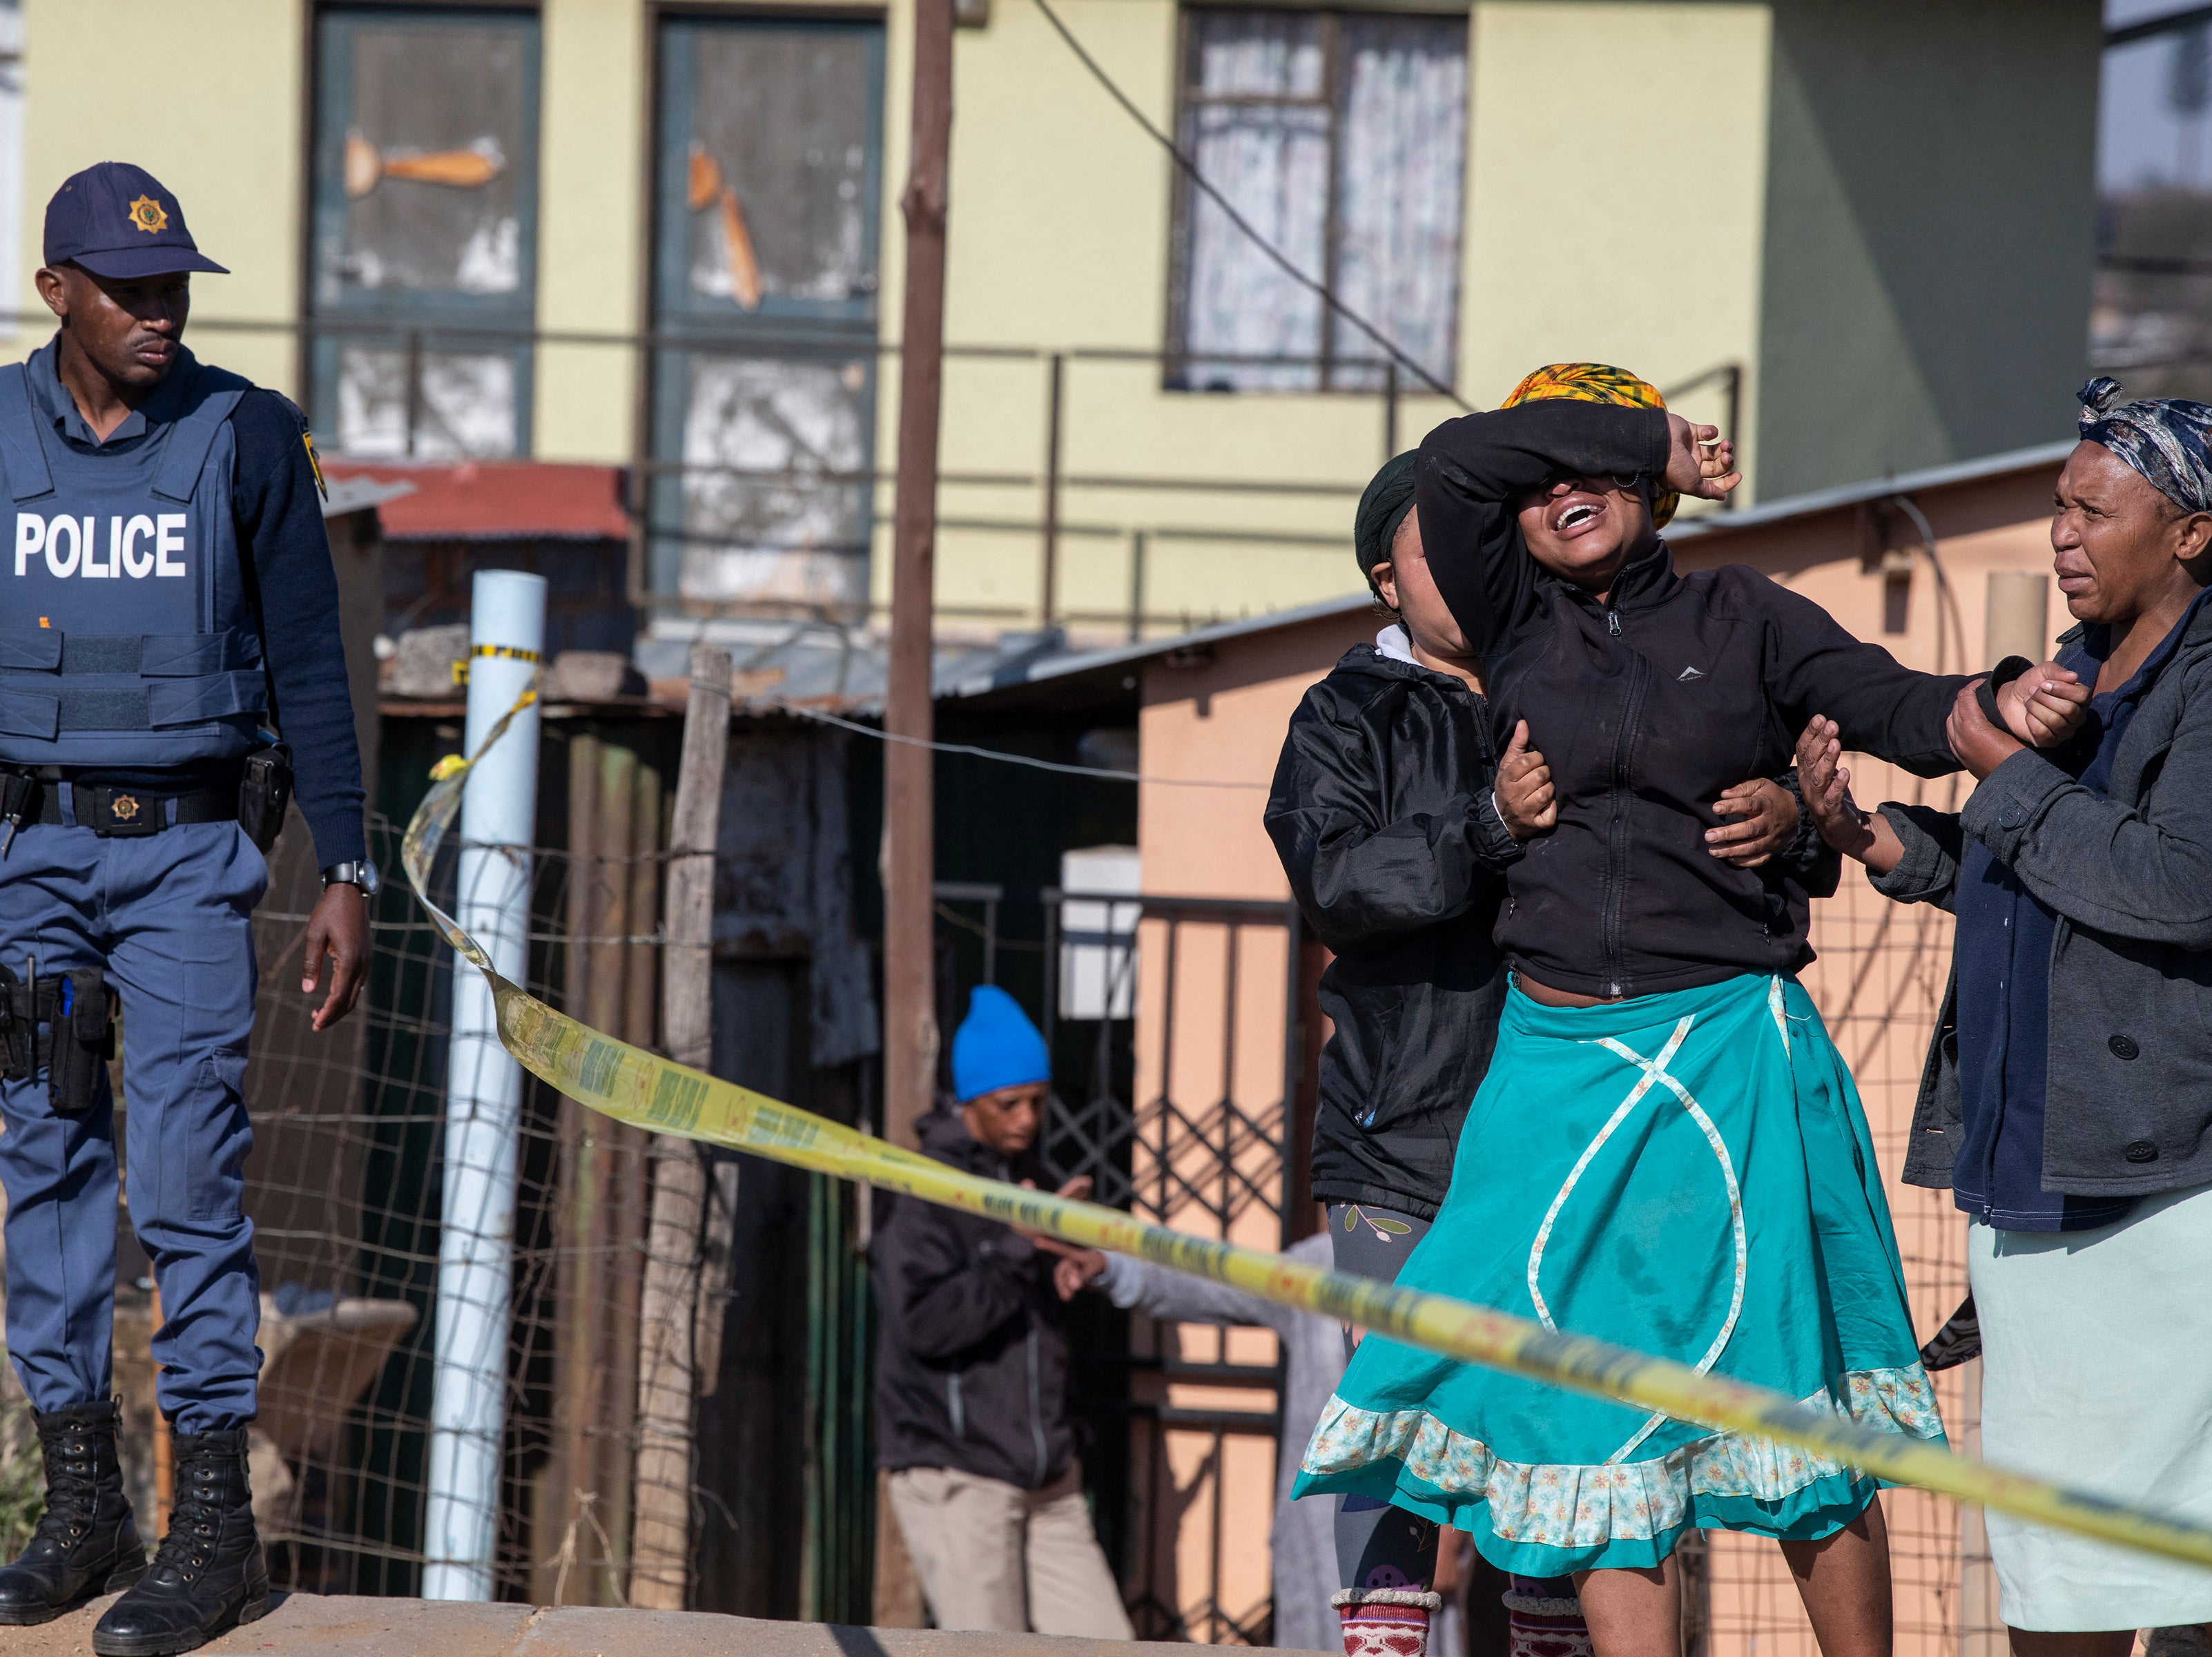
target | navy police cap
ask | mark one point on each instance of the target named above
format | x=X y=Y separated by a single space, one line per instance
x=115 y=219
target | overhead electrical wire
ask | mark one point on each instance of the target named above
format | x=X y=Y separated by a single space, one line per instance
x=1205 y=187
x=857 y=729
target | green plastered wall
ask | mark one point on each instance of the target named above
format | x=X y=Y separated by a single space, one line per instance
x=1930 y=233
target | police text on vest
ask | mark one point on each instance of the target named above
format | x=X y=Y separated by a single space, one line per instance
x=137 y=546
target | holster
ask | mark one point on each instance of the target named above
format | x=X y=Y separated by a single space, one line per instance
x=263 y=794
x=19 y=798
x=63 y=1025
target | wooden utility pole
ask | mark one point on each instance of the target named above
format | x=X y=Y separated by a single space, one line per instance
x=910 y=1033
x=668 y=1368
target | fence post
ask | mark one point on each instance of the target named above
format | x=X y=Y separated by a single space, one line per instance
x=484 y=1098
x=668 y=1364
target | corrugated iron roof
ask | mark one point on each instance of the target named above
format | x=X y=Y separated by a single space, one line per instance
x=496 y=500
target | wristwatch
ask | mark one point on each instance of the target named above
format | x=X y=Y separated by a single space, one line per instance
x=361 y=873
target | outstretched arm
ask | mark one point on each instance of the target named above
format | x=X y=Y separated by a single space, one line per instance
x=1174 y=1296
x=1882 y=707
x=1912 y=852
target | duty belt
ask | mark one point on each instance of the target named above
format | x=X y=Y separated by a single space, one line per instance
x=113 y=811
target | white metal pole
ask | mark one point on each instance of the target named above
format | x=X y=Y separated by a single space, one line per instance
x=484 y=1098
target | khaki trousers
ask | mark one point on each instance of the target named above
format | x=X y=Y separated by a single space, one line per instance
x=993 y=1556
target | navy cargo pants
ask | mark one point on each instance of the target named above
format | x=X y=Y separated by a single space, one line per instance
x=167 y=917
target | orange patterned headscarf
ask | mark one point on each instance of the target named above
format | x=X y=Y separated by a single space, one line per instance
x=1596 y=382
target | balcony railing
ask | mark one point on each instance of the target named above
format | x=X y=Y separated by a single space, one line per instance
x=1298 y=516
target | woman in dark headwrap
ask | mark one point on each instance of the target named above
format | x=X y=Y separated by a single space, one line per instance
x=1666 y=1150
x=2068 y=1099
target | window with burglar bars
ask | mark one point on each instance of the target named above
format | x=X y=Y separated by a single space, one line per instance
x=1342 y=138
x=425 y=231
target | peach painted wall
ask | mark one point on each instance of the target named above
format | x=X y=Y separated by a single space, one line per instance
x=1879 y=980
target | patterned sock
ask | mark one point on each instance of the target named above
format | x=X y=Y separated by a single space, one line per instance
x=1386 y=1622
x=1543 y=1618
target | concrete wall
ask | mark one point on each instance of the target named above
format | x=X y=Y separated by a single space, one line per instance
x=1929 y=235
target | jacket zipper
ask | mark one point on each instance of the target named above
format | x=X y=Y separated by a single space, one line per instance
x=1037 y=1410
x=1617 y=837
x=953 y=1400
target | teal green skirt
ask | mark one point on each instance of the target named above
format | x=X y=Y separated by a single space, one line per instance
x=1690 y=1174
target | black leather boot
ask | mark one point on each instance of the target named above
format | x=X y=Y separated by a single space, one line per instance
x=86 y=1545
x=208 y=1574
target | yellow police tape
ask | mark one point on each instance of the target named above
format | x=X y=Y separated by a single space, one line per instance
x=632 y=1085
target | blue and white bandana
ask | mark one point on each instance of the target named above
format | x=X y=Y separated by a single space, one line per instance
x=2167 y=440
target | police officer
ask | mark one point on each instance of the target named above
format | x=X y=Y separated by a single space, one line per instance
x=169 y=591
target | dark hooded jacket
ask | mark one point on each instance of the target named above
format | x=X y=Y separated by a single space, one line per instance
x=971 y=1370
x=1381 y=813
x=1646 y=706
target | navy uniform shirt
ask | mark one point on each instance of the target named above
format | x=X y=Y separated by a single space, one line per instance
x=278 y=507
x=2006 y=934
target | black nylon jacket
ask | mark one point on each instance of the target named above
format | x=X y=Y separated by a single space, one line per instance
x=1381 y=813
x=971 y=1369
x=1647 y=707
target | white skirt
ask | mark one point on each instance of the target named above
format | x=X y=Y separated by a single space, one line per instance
x=2097 y=1372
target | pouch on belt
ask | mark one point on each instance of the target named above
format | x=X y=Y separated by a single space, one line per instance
x=65 y=1025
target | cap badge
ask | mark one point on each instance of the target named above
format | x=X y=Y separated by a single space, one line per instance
x=146 y=213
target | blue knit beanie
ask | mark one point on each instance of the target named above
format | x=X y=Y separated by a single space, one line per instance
x=996 y=1047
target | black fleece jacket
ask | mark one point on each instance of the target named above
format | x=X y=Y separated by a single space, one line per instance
x=971 y=1367
x=1646 y=706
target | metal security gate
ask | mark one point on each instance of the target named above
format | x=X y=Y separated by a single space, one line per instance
x=1182 y=1089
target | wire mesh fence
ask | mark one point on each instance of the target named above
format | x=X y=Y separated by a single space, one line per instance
x=1879 y=983
x=345 y=1186
x=347 y=1189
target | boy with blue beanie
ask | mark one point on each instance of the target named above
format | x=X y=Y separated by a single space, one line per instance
x=971 y=1389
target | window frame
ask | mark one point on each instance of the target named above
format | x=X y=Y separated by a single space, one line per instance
x=444 y=320
x=1176 y=356
x=684 y=326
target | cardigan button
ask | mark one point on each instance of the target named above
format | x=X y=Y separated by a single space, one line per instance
x=2142 y=1150
x=2124 y=1046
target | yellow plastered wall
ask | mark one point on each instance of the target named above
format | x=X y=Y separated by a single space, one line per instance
x=1644 y=182
x=1618 y=173
x=594 y=217
x=215 y=110
x=1578 y=242
x=1583 y=237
